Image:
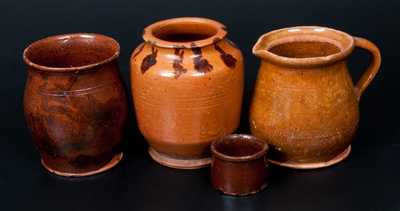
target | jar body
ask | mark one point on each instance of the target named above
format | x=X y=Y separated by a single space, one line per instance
x=185 y=98
x=76 y=118
x=307 y=114
x=238 y=165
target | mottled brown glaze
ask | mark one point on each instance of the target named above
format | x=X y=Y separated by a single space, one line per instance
x=304 y=103
x=238 y=165
x=190 y=96
x=74 y=102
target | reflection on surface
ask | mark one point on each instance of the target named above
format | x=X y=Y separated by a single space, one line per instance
x=232 y=203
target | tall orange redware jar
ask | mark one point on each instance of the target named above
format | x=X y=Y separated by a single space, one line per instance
x=187 y=85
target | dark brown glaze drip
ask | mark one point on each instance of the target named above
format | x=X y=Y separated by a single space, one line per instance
x=138 y=50
x=151 y=42
x=228 y=59
x=217 y=39
x=200 y=64
x=149 y=60
x=231 y=43
x=177 y=65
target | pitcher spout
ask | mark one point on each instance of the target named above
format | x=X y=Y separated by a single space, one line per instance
x=259 y=48
x=304 y=46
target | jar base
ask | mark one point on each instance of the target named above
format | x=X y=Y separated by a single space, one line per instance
x=315 y=165
x=243 y=194
x=114 y=161
x=177 y=163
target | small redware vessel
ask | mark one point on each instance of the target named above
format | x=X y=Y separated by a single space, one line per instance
x=238 y=165
x=187 y=85
x=305 y=104
x=75 y=104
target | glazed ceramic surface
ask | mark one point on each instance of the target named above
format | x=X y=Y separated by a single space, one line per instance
x=238 y=165
x=74 y=102
x=187 y=84
x=304 y=103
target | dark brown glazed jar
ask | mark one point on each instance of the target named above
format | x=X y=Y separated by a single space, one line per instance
x=74 y=102
x=238 y=165
x=187 y=85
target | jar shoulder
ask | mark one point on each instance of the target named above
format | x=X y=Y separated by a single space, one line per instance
x=71 y=82
x=82 y=89
x=174 y=62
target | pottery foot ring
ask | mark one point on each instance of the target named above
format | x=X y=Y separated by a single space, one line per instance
x=244 y=194
x=178 y=163
x=316 y=165
x=114 y=161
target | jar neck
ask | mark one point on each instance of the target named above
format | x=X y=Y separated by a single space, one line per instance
x=187 y=32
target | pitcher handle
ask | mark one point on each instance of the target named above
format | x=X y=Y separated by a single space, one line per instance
x=373 y=67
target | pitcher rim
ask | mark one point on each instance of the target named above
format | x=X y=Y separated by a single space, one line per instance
x=308 y=61
x=73 y=68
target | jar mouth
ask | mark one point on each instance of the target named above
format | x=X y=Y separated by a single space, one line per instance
x=239 y=147
x=184 y=32
x=71 y=52
x=304 y=46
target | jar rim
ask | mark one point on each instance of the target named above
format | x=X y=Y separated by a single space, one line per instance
x=65 y=37
x=263 y=148
x=213 y=31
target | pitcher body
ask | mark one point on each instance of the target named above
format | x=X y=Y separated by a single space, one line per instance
x=305 y=104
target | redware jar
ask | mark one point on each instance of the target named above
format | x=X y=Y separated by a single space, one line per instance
x=75 y=104
x=187 y=84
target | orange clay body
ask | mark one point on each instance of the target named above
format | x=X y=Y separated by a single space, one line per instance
x=187 y=92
